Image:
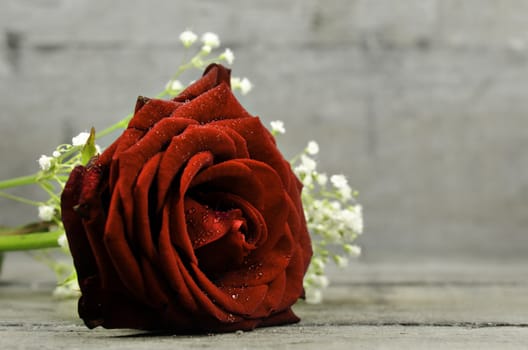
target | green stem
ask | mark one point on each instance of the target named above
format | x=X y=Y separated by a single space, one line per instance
x=19 y=199
x=37 y=240
x=122 y=124
x=19 y=181
x=119 y=125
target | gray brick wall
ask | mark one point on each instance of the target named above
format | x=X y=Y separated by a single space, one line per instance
x=422 y=103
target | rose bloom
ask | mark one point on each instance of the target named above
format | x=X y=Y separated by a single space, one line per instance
x=191 y=221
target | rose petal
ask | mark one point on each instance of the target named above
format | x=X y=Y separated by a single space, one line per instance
x=84 y=261
x=242 y=300
x=150 y=112
x=216 y=104
x=213 y=75
x=261 y=145
x=142 y=208
x=179 y=235
x=120 y=251
x=193 y=140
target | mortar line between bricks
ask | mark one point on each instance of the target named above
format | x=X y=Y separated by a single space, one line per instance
x=425 y=324
x=432 y=284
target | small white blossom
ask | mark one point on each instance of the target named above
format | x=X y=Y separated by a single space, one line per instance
x=188 y=38
x=306 y=179
x=68 y=290
x=308 y=165
x=206 y=49
x=339 y=181
x=277 y=126
x=46 y=212
x=56 y=154
x=335 y=205
x=314 y=295
x=63 y=241
x=45 y=162
x=174 y=85
x=318 y=263
x=228 y=56
x=235 y=82
x=352 y=250
x=353 y=219
x=211 y=39
x=245 y=86
x=341 y=184
x=340 y=261
x=312 y=148
x=322 y=179
x=358 y=222
x=80 y=140
x=320 y=281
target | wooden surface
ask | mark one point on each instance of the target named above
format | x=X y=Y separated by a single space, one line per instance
x=368 y=306
x=422 y=103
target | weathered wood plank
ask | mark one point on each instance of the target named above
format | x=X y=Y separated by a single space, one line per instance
x=457 y=306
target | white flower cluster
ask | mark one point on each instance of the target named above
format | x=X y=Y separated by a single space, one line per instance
x=333 y=216
x=53 y=169
x=243 y=85
x=210 y=41
x=277 y=127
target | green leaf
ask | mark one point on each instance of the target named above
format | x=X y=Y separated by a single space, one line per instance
x=88 y=150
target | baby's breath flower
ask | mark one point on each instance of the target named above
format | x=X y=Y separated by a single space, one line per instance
x=339 y=181
x=321 y=281
x=321 y=179
x=80 y=140
x=46 y=212
x=174 y=86
x=352 y=250
x=277 y=126
x=352 y=218
x=341 y=184
x=245 y=86
x=62 y=240
x=335 y=205
x=340 y=261
x=67 y=290
x=188 y=38
x=56 y=154
x=307 y=165
x=206 y=49
x=314 y=295
x=318 y=263
x=228 y=56
x=357 y=225
x=312 y=148
x=45 y=162
x=211 y=39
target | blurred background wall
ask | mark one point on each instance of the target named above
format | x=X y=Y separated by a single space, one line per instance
x=422 y=103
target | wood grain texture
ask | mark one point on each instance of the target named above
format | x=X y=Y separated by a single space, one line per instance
x=421 y=103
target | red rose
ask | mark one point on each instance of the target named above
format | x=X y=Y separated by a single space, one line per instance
x=191 y=221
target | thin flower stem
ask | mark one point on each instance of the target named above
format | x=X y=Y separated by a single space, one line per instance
x=122 y=124
x=119 y=125
x=37 y=240
x=49 y=190
x=19 y=199
x=19 y=181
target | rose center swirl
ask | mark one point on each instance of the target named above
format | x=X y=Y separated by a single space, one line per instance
x=219 y=237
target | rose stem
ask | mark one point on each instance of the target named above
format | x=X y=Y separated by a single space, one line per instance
x=37 y=240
